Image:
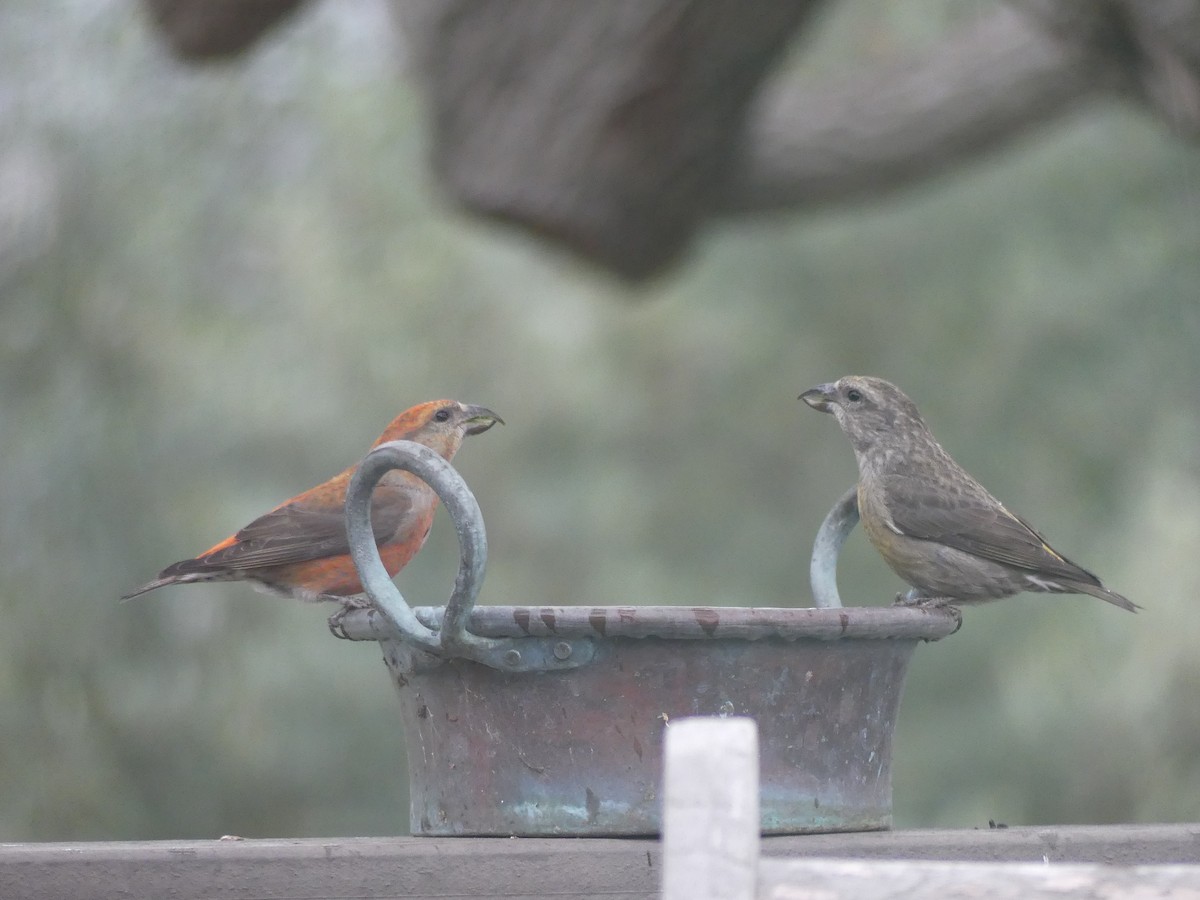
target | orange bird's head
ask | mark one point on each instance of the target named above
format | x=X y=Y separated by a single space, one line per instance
x=439 y=425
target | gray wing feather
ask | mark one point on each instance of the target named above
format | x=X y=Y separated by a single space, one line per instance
x=966 y=517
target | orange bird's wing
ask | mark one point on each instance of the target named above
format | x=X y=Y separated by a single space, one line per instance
x=298 y=532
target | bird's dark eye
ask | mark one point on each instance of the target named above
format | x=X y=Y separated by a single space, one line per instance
x=854 y=395
x=442 y=414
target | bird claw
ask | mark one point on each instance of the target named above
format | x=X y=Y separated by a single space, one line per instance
x=337 y=622
x=915 y=600
x=349 y=605
x=912 y=600
x=336 y=625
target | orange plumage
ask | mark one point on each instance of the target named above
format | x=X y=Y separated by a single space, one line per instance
x=299 y=548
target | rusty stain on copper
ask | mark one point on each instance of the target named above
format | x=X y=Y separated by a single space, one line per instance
x=598 y=619
x=548 y=618
x=708 y=620
x=521 y=617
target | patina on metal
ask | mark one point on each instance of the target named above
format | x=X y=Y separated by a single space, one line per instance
x=510 y=730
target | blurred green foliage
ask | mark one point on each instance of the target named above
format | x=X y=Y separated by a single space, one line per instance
x=227 y=280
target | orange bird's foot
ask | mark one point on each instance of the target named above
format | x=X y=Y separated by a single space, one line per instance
x=349 y=605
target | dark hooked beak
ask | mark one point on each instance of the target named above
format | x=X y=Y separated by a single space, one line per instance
x=821 y=397
x=479 y=419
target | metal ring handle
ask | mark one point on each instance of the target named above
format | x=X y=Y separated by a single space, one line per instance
x=453 y=492
x=822 y=572
x=452 y=638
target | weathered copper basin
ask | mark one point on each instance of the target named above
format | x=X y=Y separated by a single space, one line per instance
x=550 y=720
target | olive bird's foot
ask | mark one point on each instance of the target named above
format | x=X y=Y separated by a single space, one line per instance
x=914 y=598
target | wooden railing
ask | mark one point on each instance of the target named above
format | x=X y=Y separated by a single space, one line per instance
x=725 y=858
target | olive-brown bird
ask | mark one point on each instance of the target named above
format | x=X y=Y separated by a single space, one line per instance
x=299 y=549
x=935 y=525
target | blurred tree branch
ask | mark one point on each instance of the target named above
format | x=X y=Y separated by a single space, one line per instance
x=619 y=128
x=215 y=29
x=910 y=119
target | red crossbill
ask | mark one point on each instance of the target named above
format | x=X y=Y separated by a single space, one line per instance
x=299 y=548
x=934 y=524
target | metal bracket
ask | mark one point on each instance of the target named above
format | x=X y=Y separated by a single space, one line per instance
x=822 y=572
x=451 y=640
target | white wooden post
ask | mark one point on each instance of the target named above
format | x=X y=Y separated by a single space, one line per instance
x=710 y=809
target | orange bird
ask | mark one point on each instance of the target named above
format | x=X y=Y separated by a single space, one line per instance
x=299 y=549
